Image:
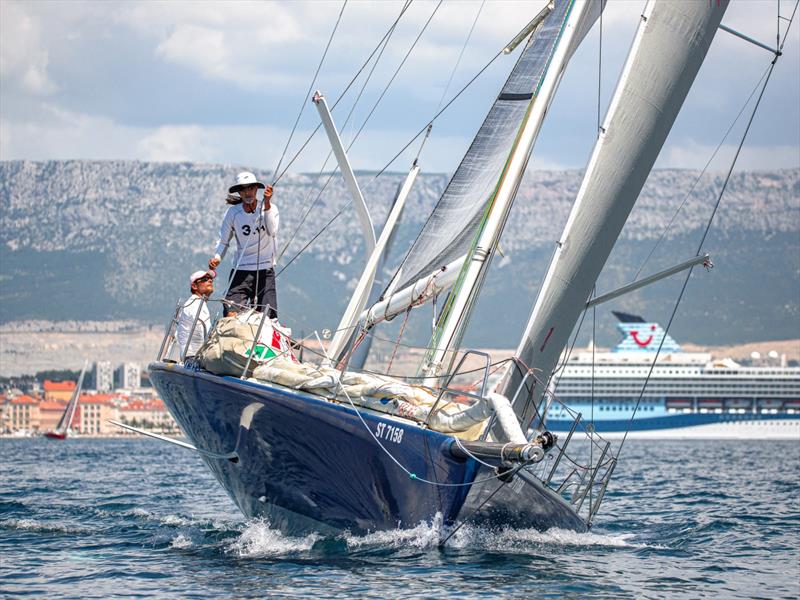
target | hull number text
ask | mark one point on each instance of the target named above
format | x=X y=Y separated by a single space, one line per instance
x=389 y=432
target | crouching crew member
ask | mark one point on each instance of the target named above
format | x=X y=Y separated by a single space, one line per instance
x=201 y=284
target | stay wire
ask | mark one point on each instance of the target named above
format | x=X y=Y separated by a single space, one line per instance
x=308 y=92
x=310 y=207
x=699 y=177
x=346 y=89
x=397 y=155
x=400 y=66
x=460 y=55
x=699 y=250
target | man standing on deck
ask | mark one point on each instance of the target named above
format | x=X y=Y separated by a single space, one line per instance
x=253 y=275
x=195 y=313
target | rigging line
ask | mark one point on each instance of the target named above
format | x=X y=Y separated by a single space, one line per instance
x=591 y=411
x=699 y=248
x=311 y=206
x=699 y=177
x=411 y=141
x=395 y=157
x=436 y=116
x=308 y=92
x=346 y=89
x=411 y=474
x=461 y=55
x=400 y=66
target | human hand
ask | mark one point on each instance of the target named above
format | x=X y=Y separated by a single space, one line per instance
x=213 y=263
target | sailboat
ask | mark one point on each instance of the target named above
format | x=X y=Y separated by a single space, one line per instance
x=64 y=428
x=309 y=454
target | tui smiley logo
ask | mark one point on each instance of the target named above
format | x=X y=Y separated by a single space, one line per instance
x=643 y=343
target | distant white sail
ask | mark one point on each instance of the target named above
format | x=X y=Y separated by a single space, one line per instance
x=670 y=45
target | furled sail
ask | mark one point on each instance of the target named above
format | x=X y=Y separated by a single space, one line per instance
x=451 y=228
x=670 y=45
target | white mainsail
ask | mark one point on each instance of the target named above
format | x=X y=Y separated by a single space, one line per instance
x=668 y=50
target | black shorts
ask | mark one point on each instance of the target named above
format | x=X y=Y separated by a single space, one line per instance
x=242 y=292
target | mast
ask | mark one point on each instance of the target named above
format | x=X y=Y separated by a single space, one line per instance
x=569 y=22
x=668 y=50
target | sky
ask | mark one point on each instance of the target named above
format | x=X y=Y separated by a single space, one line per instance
x=223 y=82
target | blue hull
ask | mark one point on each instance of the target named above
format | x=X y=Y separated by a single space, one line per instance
x=306 y=464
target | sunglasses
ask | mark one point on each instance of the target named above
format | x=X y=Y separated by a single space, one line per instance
x=204 y=279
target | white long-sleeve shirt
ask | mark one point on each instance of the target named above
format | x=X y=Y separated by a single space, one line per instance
x=185 y=319
x=246 y=227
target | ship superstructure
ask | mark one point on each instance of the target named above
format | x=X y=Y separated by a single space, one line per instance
x=688 y=394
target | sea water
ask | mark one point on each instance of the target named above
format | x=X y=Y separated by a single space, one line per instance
x=90 y=518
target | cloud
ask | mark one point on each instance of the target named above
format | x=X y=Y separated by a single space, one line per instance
x=23 y=57
x=176 y=143
x=694 y=155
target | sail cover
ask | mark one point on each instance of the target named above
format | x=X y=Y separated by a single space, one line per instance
x=450 y=229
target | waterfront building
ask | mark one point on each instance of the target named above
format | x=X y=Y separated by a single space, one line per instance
x=55 y=391
x=24 y=414
x=102 y=376
x=128 y=376
x=95 y=411
x=50 y=413
x=148 y=414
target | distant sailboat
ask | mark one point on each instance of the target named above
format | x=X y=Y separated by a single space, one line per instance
x=64 y=428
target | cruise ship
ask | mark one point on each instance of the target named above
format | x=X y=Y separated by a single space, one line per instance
x=688 y=395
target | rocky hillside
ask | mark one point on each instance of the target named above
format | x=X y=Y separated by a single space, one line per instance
x=87 y=240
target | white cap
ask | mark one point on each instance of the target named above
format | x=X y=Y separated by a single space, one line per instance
x=198 y=274
x=245 y=178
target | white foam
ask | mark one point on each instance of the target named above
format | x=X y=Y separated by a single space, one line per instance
x=424 y=535
x=181 y=542
x=42 y=527
x=258 y=540
x=508 y=539
x=429 y=535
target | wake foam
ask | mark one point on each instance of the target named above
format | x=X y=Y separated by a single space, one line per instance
x=258 y=540
x=42 y=526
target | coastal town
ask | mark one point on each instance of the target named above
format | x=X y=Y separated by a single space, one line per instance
x=32 y=408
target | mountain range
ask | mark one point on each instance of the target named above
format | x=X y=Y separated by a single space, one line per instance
x=111 y=240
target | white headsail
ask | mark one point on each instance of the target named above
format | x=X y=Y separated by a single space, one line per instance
x=561 y=31
x=670 y=45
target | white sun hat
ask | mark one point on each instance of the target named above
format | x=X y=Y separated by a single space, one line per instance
x=198 y=274
x=245 y=178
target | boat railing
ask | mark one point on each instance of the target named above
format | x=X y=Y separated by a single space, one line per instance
x=169 y=339
x=580 y=465
x=170 y=333
x=448 y=390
